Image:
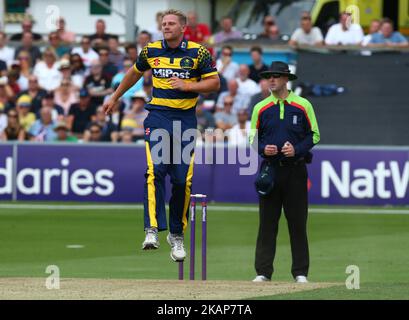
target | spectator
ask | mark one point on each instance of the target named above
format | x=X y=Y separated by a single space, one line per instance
x=43 y=128
x=239 y=101
x=116 y=56
x=54 y=41
x=100 y=37
x=156 y=32
x=57 y=112
x=62 y=132
x=239 y=133
x=23 y=107
x=109 y=131
x=108 y=68
x=81 y=114
x=247 y=87
x=3 y=68
x=225 y=65
x=78 y=69
x=66 y=95
x=49 y=77
x=27 y=26
x=14 y=130
x=373 y=28
x=6 y=52
x=27 y=45
x=132 y=52
x=144 y=37
x=345 y=32
x=66 y=37
x=227 y=32
x=137 y=113
x=225 y=119
x=35 y=92
x=264 y=93
x=12 y=81
x=258 y=65
x=205 y=119
x=387 y=37
x=23 y=66
x=97 y=84
x=3 y=118
x=95 y=133
x=128 y=63
x=125 y=136
x=307 y=34
x=6 y=94
x=270 y=28
x=195 y=31
x=66 y=74
x=85 y=51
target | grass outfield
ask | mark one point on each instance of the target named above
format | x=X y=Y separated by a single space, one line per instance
x=31 y=239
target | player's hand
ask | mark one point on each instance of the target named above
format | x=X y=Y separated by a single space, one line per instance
x=179 y=84
x=109 y=106
x=288 y=149
x=270 y=150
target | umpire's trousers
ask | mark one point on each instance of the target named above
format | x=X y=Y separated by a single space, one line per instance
x=291 y=194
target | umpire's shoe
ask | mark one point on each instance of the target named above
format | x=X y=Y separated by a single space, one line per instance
x=151 y=239
x=177 y=251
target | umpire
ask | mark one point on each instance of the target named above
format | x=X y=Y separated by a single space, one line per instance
x=286 y=130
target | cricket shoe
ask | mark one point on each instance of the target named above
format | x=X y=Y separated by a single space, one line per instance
x=151 y=239
x=261 y=279
x=177 y=251
x=301 y=279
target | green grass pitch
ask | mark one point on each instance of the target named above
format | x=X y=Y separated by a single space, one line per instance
x=32 y=239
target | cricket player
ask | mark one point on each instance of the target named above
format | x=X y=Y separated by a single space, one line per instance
x=181 y=70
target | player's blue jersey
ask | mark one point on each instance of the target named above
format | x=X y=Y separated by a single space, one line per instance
x=190 y=62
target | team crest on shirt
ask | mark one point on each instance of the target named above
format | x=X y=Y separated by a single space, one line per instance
x=186 y=63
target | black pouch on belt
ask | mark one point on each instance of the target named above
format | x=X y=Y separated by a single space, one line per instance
x=265 y=179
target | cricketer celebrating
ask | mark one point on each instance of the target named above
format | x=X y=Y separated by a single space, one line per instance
x=181 y=70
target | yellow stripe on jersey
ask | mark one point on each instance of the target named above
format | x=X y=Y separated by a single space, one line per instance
x=209 y=74
x=163 y=83
x=183 y=104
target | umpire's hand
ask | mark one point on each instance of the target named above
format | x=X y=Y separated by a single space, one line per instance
x=270 y=150
x=288 y=149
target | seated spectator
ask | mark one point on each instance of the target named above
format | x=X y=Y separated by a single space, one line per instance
x=205 y=119
x=81 y=114
x=27 y=26
x=66 y=37
x=3 y=68
x=195 y=31
x=78 y=69
x=137 y=113
x=23 y=107
x=6 y=52
x=264 y=93
x=374 y=27
x=28 y=45
x=109 y=131
x=14 y=130
x=7 y=94
x=131 y=52
x=387 y=37
x=258 y=64
x=43 y=128
x=125 y=136
x=225 y=119
x=345 y=32
x=12 y=82
x=227 y=31
x=63 y=133
x=49 y=77
x=270 y=28
x=23 y=66
x=55 y=42
x=66 y=74
x=95 y=133
x=97 y=84
x=57 y=112
x=247 y=87
x=239 y=133
x=66 y=95
x=239 y=101
x=108 y=68
x=119 y=76
x=116 y=56
x=225 y=65
x=100 y=37
x=307 y=34
x=35 y=92
x=85 y=51
x=3 y=117
x=144 y=37
x=156 y=32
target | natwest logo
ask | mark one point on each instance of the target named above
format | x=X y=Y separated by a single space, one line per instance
x=62 y=180
x=169 y=73
x=386 y=181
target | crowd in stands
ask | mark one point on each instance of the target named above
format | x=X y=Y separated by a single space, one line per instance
x=56 y=92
